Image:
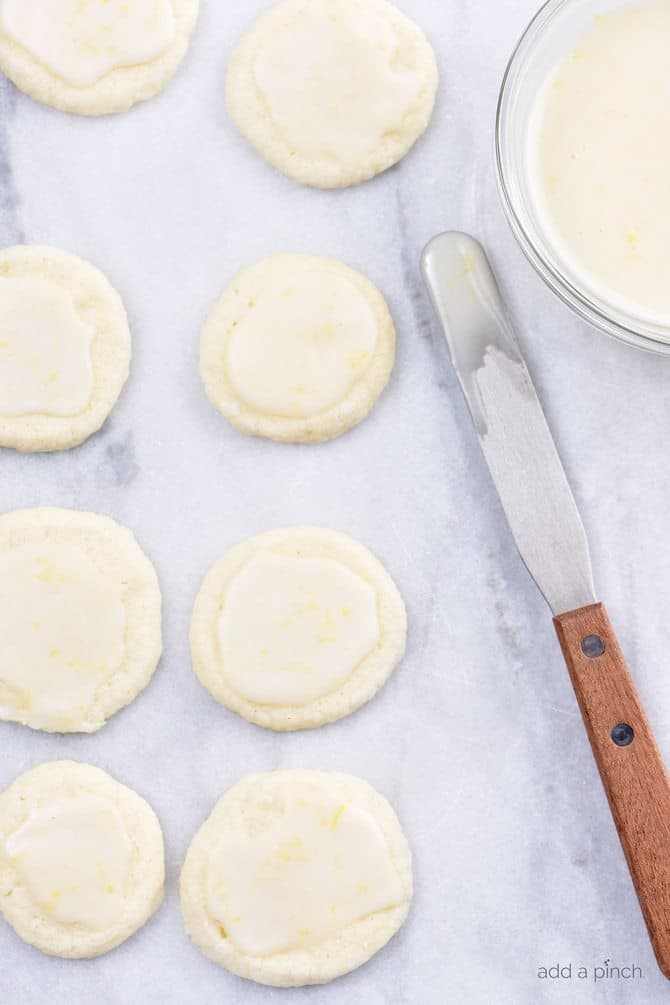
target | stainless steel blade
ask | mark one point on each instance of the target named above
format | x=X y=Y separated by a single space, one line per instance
x=509 y=420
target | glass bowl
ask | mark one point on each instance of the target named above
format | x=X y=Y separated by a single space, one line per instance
x=551 y=34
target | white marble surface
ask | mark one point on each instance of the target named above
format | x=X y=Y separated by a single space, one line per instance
x=476 y=739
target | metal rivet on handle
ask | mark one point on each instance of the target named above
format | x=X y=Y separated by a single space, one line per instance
x=622 y=734
x=593 y=646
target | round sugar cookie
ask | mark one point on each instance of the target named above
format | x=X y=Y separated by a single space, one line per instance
x=298 y=349
x=64 y=348
x=296 y=878
x=97 y=56
x=297 y=627
x=332 y=92
x=80 y=619
x=81 y=859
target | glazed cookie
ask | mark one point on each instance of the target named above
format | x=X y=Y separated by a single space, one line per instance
x=298 y=627
x=81 y=859
x=64 y=348
x=297 y=349
x=296 y=878
x=331 y=92
x=96 y=56
x=80 y=619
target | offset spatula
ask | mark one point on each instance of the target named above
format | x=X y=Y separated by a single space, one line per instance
x=548 y=531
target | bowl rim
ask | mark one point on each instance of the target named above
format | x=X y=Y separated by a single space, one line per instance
x=558 y=283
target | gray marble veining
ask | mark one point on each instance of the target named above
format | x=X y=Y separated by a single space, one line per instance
x=476 y=739
x=10 y=231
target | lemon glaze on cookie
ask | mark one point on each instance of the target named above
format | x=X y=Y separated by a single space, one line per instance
x=93 y=57
x=298 y=349
x=81 y=859
x=81 y=41
x=297 y=627
x=65 y=348
x=45 y=349
x=293 y=628
x=73 y=857
x=332 y=92
x=303 y=345
x=296 y=878
x=80 y=609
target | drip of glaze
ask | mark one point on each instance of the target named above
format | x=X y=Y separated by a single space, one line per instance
x=469 y=305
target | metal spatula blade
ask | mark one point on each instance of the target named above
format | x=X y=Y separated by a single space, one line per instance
x=509 y=420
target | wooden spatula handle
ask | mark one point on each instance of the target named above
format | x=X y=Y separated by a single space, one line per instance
x=630 y=764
